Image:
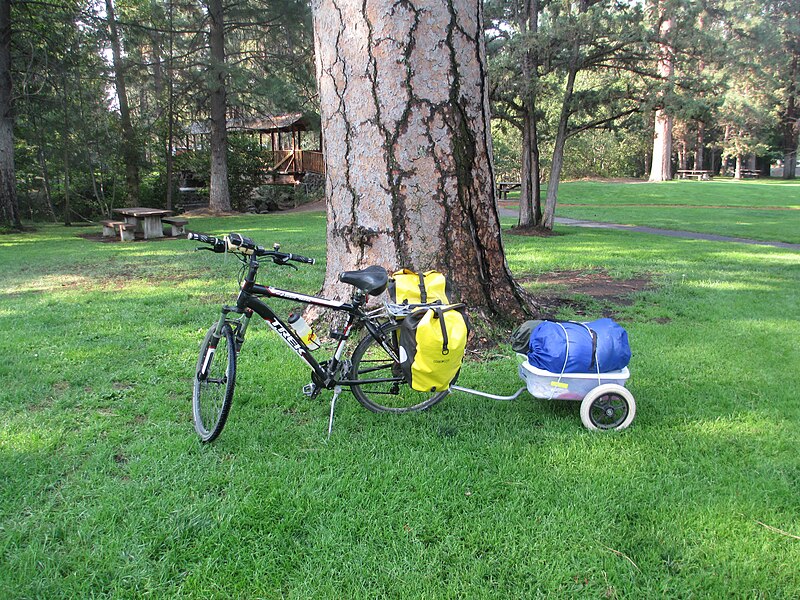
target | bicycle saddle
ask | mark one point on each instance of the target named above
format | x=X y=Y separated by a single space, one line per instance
x=372 y=280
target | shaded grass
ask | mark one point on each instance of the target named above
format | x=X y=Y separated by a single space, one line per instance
x=107 y=492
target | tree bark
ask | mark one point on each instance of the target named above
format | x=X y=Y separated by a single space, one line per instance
x=548 y=218
x=699 y=152
x=661 y=169
x=65 y=141
x=219 y=196
x=9 y=205
x=40 y=155
x=405 y=117
x=46 y=183
x=791 y=123
x=530 y=197
x=130 y=148
x=168 y=158
x=738 y=172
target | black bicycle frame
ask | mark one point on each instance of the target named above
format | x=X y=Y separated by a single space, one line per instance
x=248 y=303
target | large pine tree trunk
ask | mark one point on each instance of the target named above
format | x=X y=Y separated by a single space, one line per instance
x=130 y=147
x=9 y=206
x=530 y=196
x=219 y=196
x=661 y=169
x=405 y=116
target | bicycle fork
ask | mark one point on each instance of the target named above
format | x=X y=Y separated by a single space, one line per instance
x=239 y=327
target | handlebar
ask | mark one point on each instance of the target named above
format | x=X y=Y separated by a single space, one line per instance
x=238 y=243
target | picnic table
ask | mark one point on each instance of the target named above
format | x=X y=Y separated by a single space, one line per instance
x=503 y=187
x=145 y=220
x=701 y=174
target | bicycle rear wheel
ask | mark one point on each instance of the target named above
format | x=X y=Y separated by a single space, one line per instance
x=214 y=380
x=370 y=361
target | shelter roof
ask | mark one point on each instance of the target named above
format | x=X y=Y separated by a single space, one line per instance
x=261 y=124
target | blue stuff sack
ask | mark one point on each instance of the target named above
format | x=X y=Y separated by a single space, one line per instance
x=568 y=347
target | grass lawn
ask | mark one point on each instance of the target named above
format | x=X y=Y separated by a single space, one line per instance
x=106 y=491
x=757 y=209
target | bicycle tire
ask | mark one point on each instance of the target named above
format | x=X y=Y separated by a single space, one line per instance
x=212 y=395
x=371 y=361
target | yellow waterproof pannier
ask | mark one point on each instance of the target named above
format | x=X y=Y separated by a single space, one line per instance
x=432 y=344
x=409 y=287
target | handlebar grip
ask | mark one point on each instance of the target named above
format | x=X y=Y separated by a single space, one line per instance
x=218 y=244
x=302 y=259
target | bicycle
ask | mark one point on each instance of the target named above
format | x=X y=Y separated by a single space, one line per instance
x=372 y=373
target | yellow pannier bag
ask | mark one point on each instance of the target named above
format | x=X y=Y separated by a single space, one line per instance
x=432 y=343
x=409 y=287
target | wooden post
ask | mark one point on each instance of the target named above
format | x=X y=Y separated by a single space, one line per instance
x=300 y=166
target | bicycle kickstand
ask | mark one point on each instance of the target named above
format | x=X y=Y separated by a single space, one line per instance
x=336 y=391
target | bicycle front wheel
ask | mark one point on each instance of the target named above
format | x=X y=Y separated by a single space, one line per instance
x=384 y=389
x=214 y=380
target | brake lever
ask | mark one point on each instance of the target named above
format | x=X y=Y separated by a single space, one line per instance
x=284 y=262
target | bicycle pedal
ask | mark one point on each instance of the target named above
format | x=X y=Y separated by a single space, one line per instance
x=310 y=390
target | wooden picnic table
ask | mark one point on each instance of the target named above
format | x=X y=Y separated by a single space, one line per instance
x=146 y=220
x=503 y=187
x=750 y=173
x=702 y=175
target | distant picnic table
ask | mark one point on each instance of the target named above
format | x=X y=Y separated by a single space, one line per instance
x=702 y=175
x=147 y=221
x=503 y=187
x=750 y=173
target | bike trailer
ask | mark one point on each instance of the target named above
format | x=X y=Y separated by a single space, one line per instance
x=570 y=347
x=605 y=402
x=565 y=386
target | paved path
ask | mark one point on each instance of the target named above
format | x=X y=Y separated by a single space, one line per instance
x=689 y=235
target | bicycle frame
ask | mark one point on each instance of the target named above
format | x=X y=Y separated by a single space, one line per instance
x=248 y=302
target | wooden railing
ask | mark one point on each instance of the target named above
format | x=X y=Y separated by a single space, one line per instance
x=313 y=162
x=288 y=161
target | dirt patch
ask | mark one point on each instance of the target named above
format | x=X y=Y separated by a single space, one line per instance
x=307 y=207
x=205 y=212
x=565 y=289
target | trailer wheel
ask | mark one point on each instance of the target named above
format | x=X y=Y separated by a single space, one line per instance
x=608 y=407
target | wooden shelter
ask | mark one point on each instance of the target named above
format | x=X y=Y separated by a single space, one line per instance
x=281 y=139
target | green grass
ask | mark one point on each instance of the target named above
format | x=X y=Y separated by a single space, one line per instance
x=106 y=491
x=757 y=209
